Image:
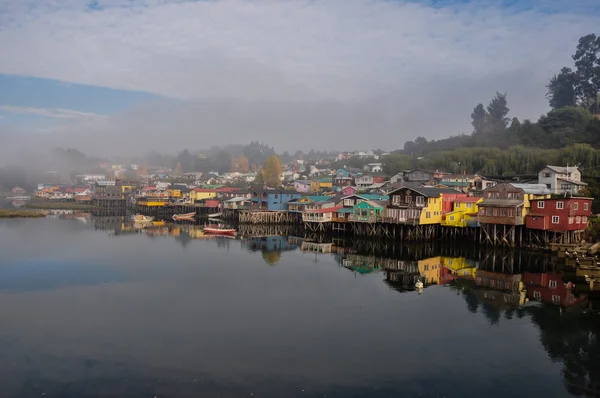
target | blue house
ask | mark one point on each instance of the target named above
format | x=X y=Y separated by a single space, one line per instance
x=273 y=199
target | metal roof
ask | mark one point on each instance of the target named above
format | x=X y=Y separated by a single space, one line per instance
x=533 y=189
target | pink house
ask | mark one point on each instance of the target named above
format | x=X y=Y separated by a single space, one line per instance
x=349 y=191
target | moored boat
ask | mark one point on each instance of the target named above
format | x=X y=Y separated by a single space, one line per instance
x=142 y=218
x=219 y=231
x=184 y=217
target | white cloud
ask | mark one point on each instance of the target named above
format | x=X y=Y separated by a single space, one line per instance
x=57 y=113
x=415 y=69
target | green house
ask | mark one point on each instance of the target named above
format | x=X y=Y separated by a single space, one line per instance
x=368 y=210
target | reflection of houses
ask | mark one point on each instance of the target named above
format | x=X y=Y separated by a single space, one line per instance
x=316 y=247
x=549 y=287
x=430 y=270
x=505 y=289
x=268 y=243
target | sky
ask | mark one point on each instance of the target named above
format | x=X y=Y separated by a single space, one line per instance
x=112 y=77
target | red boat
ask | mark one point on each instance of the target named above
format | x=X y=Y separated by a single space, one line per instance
x=219 y=231
x=184 y=217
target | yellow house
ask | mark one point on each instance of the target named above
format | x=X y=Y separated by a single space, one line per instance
x=326 y=184
x=464 y=213
x=175 y=193
x=429 y=269
x=202 y=193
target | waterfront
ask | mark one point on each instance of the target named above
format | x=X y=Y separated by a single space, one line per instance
x=96 y=307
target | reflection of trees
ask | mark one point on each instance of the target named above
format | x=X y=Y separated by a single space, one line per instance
x=570 y=336
x=272 y=257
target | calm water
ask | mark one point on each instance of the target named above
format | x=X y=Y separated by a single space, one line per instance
x=90 y=308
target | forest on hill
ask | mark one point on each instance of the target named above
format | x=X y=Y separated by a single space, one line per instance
x=501 y=145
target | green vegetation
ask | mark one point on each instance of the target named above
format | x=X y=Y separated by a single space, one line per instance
x=15 y=213
x=499 y=145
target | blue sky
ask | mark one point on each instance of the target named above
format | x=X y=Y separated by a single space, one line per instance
x=287 y=72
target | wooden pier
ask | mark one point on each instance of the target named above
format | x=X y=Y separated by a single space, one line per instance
x=268 y=217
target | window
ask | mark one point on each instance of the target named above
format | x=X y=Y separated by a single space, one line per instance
x=566 y=187
x=427 y=215
x=546 y=175
x=469 y=205
x=552 y=284
x=495 y=212
x=555 y=299
x=489 y=212
x=408 y=199
x=575 y=206
x=540 y=204
x=560 y=205
x=537 y=295
x=451 y=218
x=585 y=206
x=482 y=212
x=584 y=220
x=578 y=220
x=503 y=212
x=420 y=200
x=570 y=220
x=555 y=219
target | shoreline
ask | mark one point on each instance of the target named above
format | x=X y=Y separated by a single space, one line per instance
x=15 y=213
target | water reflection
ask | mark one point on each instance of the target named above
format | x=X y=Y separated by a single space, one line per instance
x=204 y=311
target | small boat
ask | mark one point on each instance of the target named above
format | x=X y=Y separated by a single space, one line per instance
x=219 y=231
x=184 y=217
x=142 y=218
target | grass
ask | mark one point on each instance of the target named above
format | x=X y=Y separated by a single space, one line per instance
x=13 y=213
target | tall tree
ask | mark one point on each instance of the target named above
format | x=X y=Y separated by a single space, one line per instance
x=479 y=119
x=259 y=179
x=562 y=89
x=587 y=63
x=177 y=171
x=272 y=171
x=497 y=113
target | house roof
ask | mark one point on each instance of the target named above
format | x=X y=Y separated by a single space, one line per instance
x=502 y=203
x=455 y=183
x=326 y=210
x=534 y=189
x=431 y=192
x=562 y=169
x=572 y=181
x=468 y=199
x=237 y=199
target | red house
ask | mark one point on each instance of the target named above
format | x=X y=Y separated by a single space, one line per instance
x=549 y=287
x=559 y=214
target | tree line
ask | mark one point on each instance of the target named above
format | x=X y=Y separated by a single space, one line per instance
x=574 y=97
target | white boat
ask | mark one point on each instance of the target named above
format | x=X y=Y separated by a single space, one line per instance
x=142 y=218
x=419 y=284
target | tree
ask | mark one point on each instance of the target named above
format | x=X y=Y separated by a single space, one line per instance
x=177 y=171
x=587 y=62
x=242 y=164
x=497 y=110
x=562 y=89
x=272 y=171
x=479 y=119
x=259 y=179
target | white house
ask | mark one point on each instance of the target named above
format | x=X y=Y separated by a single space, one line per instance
x=561 y=180
x=375 y=167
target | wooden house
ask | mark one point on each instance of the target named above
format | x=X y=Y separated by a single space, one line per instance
x=464 y=213
x=349 y=190
x=424 y=206
x=508 y=204
x=341 y=182
x=418 y=175
x=299 y=205
x=272 y=199
x=561 y=180
x=321 y=215
x=559 y=214
x=326 y=184
x=368 y=211
x=306 y=186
